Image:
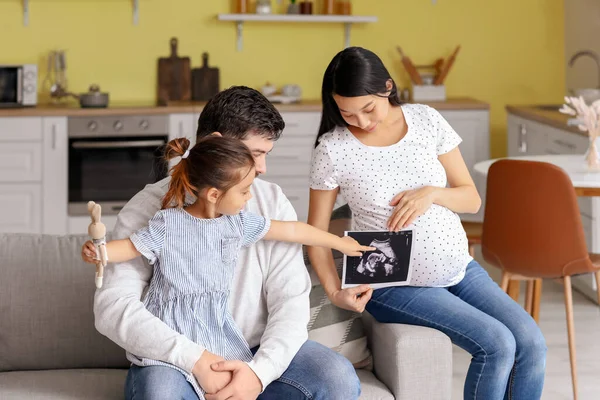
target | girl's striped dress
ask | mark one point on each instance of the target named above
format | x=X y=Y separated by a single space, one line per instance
x=194 y=261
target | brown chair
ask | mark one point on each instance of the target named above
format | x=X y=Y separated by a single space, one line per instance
x=532 y=229
x=473 y=231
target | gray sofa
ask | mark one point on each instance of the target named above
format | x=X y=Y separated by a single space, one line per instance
x=49 y=348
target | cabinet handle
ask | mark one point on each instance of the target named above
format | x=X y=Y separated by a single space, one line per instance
x=565 y=144
x=53 y=137
x=522 y=138
x=180 y=128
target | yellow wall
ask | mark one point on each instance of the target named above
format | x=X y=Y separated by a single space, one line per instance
x=512 y=50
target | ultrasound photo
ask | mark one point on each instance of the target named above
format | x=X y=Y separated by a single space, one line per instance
x=389 y=265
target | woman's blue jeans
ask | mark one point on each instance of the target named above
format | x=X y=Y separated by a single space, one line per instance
x=508 y=348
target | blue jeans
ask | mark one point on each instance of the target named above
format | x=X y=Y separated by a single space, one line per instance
x=508 y=348
x=316 y=372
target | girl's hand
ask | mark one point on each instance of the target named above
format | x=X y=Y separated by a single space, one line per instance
x=409 y=205
x=353 y=299
x=88 y=252
x=352 y=248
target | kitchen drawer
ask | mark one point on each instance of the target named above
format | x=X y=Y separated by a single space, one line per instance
x=296 y=190
x=13 y=129
x=21 y=208
x=292 y=147
x=299 y=197
x=286 y=166
x=562 y=142
x=301 y=123
x=20 y=162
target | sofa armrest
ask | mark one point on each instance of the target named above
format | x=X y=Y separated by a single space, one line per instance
x=414 y=362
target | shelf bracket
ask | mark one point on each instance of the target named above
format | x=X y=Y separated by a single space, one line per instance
x=347 y=28
x=136 y=11
x=240 y=31
x=25 y=12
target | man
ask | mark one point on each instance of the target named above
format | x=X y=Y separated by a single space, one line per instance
x=269 y=299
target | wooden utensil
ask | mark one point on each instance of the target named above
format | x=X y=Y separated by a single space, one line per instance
x=174 y=77
x=439 y=80
x=410 y=68
x=205 y=81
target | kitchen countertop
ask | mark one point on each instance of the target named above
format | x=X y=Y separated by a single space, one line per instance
x=71 y=109
x=545 y=116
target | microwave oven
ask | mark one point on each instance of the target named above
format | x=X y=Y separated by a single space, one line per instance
x=18 y=85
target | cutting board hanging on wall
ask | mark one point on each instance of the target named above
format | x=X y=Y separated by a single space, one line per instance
x=205 y=81
x=174 y=77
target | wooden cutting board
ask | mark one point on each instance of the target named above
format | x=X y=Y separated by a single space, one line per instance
x=174 y=77
x=205 y=81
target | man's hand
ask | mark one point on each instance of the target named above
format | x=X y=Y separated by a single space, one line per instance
x=244 y=385
x=211 y=381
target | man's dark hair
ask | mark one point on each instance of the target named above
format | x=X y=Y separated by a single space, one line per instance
x=239 y=111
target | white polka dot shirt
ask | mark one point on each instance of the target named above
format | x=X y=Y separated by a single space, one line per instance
x=369 y=177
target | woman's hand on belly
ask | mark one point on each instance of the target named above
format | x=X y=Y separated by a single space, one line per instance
x=409 y=205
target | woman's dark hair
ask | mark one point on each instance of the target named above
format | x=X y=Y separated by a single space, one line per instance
x=236 y=112
x=214 y=161
x=353 y=72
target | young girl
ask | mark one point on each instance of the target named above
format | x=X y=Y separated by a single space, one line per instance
x=194 y=246
x=399 y=165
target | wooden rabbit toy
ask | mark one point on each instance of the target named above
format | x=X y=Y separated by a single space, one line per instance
x=97 y=231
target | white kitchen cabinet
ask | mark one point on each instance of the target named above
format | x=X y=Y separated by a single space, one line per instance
x=55 y=176
x=288 y=165
x=20 y=162
x=526 y=137
x=21 y=175
x=473 y=126
x=182 y=125
x=20 y=207
x=20 y=129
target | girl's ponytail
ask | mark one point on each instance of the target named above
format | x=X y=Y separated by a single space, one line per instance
x=180 y=184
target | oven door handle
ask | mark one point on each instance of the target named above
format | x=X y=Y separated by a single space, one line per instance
x=117 y=144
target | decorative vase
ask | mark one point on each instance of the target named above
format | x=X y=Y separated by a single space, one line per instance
x=592 y=157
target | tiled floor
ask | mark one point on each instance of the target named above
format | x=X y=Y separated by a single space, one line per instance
x=553 y=323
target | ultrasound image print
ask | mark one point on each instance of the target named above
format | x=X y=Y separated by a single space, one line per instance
x=388 y=265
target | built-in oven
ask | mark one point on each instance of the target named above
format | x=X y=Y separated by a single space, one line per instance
x=18 y=85
x=113 y=158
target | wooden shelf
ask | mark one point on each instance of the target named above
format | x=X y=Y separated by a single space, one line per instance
x=347 y=20
x=135 y=5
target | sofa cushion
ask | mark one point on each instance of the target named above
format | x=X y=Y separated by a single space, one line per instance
x=371 y=388
x=46 y=306
x=70 y=384
x=109 y=384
